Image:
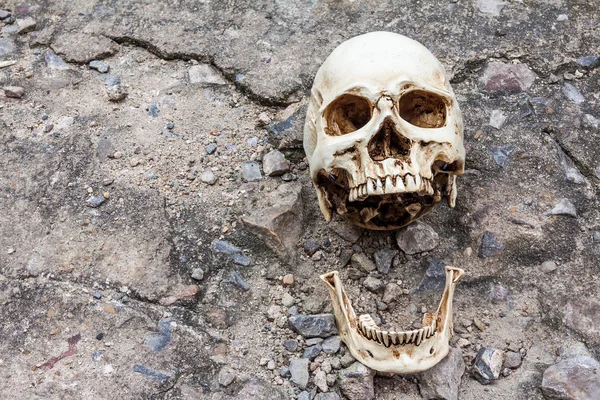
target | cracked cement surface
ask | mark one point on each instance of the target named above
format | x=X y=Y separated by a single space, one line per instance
x=129 y=299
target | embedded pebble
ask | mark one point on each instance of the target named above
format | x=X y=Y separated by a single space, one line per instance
x=208 y=177
x=384 y=259
x=235 y=253
x=564 y=207
x=197 y=274
x=417 y=237
x=497 y=119
x=205 y=74
x=573 y=378
x=362 y=262
x=309 y=326
x=443 y=380
x=548 y=266
x=356 y=382
x=99 y=66
x=490 y=246
x=572 y=93
x=373 y=284
x=312 y=352
x=26 y=25
x=251 y=171
x=299 y=372
x=488 y=365
x=512 y=360
x=211 y=148
x=290 y=345
x=15 y=92
x=275 y=164
x=332 y=345
x=95 y=201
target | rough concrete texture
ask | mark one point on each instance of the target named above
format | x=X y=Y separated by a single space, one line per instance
x=104 y=217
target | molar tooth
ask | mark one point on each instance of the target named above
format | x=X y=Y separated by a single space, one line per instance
x=363 y=190
x=419 y=336
x=393 y=337
x=409 y=182
x=386 y=338
x=378 y=187
x=352 y=195
x=378 y=336
x=370 y=188
x=399 y=184
x=417 y=179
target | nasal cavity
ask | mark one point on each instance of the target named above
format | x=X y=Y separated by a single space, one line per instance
x=388 y=143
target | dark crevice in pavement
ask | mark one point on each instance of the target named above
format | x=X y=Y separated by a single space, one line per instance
x=552 y=134
x=467 y=69
x=205 y=59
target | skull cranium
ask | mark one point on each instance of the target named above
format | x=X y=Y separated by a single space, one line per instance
x=383 y=133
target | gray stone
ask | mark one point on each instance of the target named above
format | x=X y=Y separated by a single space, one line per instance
x=226 y=377
x=290 y=345
x=81 y=48
x=572 y=93
x=99 y=66
x=255 y=389
x=443 y=380
x=356 y=382
x=512 y=360
x=309 y=326
x=346 y=230
x=562 y=17
x=548 y=266
x=275 y=164
x=7 y=46
x=491 y=7
x=589 y=121
x=25 y=25
x=488 y=365
x=208 y=177
x=391 y=293
x=435 y=277
x=564 y=207
x=332 y=345
x=373 y=284
x=347 y=360
x=589 y=61
x=238 y=281
x=490 y=246
x=417 y=238
x=384 y=259
x=326 y=396
x=313 y=341
x=115 y=93
x=197 y=274
x=288 y=133
x=313 y=304
x=362 y=262
x=345 y=257
x=15 y=92
x=320 y=380
x=287 y=300
x=303 y=395
x=497 y=119
x=499 y=294
x=580 y=315
x=95 y=201
x=5 y=14
x=299 y=372
x=251 y=171
x=205 y=74
x=211 y=148
x=235 y=253
x=572 y=379
x=501 y=154
x=312 y=352
x=279 y=220
x=55 y=62
x=506 y=78
x=311 y=247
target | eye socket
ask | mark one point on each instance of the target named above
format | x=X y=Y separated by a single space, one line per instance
x=346 y=114
x=423 y=109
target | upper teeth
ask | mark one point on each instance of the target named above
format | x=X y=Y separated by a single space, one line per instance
x=389 y=185
x=371 y=331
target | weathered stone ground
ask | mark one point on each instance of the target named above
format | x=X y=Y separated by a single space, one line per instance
x=123 y=192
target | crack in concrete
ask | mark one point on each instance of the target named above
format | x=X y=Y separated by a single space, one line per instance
x=205 y=59
x=587 y=173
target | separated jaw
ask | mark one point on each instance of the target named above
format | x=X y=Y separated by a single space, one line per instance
x=395 y=351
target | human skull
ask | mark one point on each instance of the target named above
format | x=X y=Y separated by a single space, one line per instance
x=383 y=133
